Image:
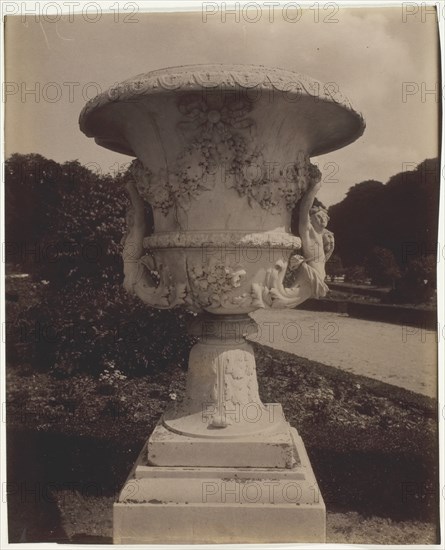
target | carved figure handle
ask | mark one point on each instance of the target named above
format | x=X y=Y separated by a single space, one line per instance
x=307 y=270
x=140 y=267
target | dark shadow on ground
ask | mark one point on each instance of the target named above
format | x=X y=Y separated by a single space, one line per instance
x=40 y=463
x=396 y=486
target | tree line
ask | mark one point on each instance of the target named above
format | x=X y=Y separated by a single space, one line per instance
x=388 y=232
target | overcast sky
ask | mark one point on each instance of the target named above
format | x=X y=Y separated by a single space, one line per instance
x=370 y=53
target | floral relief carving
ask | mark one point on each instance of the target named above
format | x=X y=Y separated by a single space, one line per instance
x=213 y=128
x=197 y=165
x=275 y=187
x=241 y=385
x=213 y=285
x=212 y=144
x=234 y=386
x=215 y=118
x=165 y=189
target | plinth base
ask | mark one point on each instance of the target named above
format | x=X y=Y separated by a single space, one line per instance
x=271 y=448
x=185 y=505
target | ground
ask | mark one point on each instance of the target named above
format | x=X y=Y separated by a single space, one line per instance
x=405 y=356
x=373 y=447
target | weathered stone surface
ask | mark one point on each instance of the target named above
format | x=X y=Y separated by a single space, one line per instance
x=220 y=505
x=240 y=137
x=261 y=449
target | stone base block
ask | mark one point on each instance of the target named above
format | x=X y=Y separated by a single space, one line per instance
x=185 y=505
x=166 y=448
x=271 y=448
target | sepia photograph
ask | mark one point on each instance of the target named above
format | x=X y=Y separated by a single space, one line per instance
x=222 y=274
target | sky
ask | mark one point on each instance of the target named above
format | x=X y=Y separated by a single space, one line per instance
x=383 y=60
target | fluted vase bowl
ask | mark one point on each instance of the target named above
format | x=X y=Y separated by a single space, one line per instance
x=222 y=159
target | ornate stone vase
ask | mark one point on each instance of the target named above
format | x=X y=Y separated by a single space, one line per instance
x=223 y=159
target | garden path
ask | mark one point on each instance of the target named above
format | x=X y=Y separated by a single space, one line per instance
x=399 y=355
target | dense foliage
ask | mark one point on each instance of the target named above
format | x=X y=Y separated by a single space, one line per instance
x=389 y=232
x=334 y=266
x=64 y=225
x=63 y=222
x=381 y=266
x=401 y=216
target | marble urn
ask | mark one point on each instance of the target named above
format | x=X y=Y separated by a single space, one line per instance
x=222 y=159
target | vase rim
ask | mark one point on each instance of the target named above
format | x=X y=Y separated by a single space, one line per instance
x=213 y=77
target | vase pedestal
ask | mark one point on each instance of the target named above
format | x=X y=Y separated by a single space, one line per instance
x=200 y=505
x=221 y=466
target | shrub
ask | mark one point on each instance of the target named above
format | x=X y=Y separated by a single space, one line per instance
x=86 y=329
x=80 y=318
x=382 y=267
x=355 y=274
x=334 y=267
x=417 y=283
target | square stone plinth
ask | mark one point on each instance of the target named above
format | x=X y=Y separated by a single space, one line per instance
x=272 y=447
x=166 y=448
x=185 y=505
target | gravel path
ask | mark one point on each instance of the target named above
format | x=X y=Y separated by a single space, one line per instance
x=395 y=354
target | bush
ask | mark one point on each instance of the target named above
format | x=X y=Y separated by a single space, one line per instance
x=334 y=267
x=417 y=283
x=62 y=221
x=80 y=318
x=85 y=329
x=355 y=274
x=382 y=267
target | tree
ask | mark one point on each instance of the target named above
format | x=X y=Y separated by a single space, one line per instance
x=71 y=222
x=63 y=221
x=382 y=266
x=334 y=267
x=401 y=216
x=353 y=221
x=355 y=274
x=418 y=281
